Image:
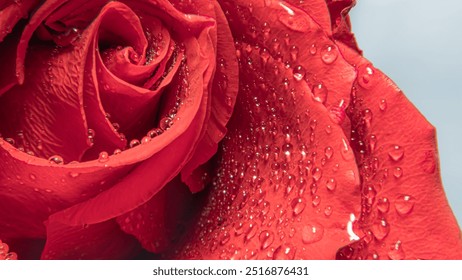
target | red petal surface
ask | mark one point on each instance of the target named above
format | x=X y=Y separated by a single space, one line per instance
x=158 y=223
x=341 y=26
x=104 y=241
x=287 y=182
x=11 y=12
x=404 y=206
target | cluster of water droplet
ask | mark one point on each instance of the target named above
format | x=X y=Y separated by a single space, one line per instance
x=5 y=253
x=375 y=171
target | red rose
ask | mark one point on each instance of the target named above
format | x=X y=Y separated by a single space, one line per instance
x=111 y=110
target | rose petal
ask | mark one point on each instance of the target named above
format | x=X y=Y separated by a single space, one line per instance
x=399 y=164
x=223 y=92
x=158 y=223
x=102 y=241
x=11 y=13
x=341 y=26
x=283 y=148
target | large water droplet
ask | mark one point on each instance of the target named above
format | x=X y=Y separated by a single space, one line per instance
x=396 y=153
x=317 y=174
x=329 y=54
x=345 y=150
x=266 y=239
x=298 y=205
x=366 y=76
x=396 y=251
x=404 y=204
x=299 y=73
x=291 y=20
x=398 y=172
x=380 y=229
x=331 y=184
x=383 y=205
x=312 y=233
x=103 y=157
x=56 y=159
x=328 y=211
x=319 y=93
x=284 y=252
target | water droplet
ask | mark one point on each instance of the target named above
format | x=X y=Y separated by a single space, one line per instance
x=134 y=143
x=299 y=73
x=372 y=142
x=329 y=54
x=56 y=159
x=292 y=21
x=383 y=205
x=398 y=172
x=396 y=153
x=319 y=93
x=266 y=239
x=328 y=152
x=298 y=205
x=396 y=251
x=313 y=49
x=224 y=237
x=312 y=233
x=74 y=174
x=367 y=117
x=345 y=150
x=404 y=204
x=316 y=200
x=331 y=184
x=284 y=252
x=380 y=229
x=103 y=157
x=264 y=55
x=32 y=177
x=366 y=76
x=90 y=137
x=317 y=174
x=293 y=52
x=328 y=211
x=383 y=105
x=251 y=231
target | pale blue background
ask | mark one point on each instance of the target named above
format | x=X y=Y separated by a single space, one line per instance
x=418 y=43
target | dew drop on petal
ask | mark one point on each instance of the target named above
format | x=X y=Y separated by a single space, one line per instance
x=299 y=73
x=293 y=21
x=313 y=49
x=380 y=229
x=383 y=205
x=396 y=153
x=331 y=184
x=398 y=172
x=312 y=233
x=404 y=204
x=284 y=252
x=56 y=159
x=103 y=156
x=328 y=211
x=266 y=239
x=319 y=92
x=329 y=54
x=134 y=143
x=316 y=200
x=366 y=76
x=298 y=205
x=396 y=251
x=383 y=105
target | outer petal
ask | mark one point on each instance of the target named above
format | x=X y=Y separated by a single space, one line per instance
x=273 y=195
x=102 y=241
x=11 y=12
x=405 y=212
x=158 y=223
